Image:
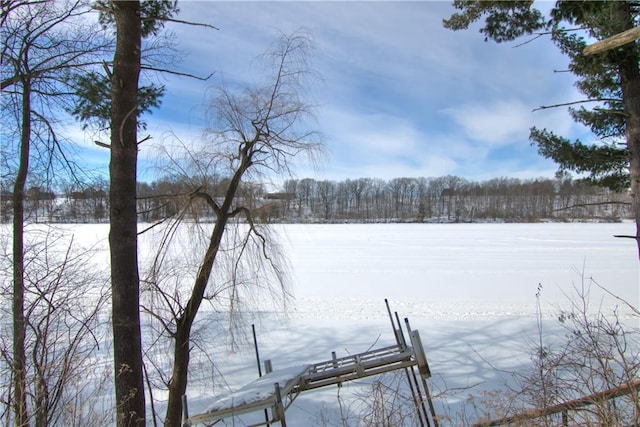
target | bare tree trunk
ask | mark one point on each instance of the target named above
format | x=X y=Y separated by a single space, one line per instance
x=633 y=142
x=123 y=241
x=19 y=324
x=178 y=383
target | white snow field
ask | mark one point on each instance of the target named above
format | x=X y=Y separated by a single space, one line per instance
x=470 y=289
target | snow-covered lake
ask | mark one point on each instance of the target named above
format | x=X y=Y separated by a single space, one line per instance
x=475 y=266
x=470 y=289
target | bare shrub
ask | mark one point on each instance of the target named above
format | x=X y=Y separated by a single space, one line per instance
x=587 y=375
x=569 y=380
x=65 y=296
x=387 y=401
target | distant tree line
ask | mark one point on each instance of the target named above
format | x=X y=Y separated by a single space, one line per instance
x=451 y=199
x=442 y=199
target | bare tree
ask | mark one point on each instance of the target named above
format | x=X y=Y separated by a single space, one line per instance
x=455 y=199
x=64 y=297
x=255 y=132
x=327 y=197
x=41 y=43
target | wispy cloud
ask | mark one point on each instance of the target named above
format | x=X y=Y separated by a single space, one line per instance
x=494 y=123
x=399 y=96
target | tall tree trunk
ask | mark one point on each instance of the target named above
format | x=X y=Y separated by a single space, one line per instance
x=123 y=240
x=630 y=81
x=19 y=325
x=632 y=106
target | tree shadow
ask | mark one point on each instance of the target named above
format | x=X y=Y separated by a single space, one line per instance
x=467 y=359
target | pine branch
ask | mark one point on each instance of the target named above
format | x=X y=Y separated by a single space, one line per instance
x=610 y=111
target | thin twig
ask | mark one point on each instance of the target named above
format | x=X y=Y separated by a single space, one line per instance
x=175 y=73
x=583 y=205
x=564 y=104
x=634 y=309
x=179 y=21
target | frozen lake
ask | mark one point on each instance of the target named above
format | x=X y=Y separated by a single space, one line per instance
x=492 y=266
x=470 y=289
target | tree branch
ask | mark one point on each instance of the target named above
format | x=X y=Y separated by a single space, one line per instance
x=145 y=139
x=583 y=205
x=613 y=42
x=175 y=73
x=623 y=236
x=152 y=226
x=207 y=198
x=564 y=104
x=102 y=144
x=609 y=111
x=536 y=37
x=179 y=21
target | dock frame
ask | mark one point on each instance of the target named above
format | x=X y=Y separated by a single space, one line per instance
x=275 y=391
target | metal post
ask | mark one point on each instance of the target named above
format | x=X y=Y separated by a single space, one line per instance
x=416 y=341
x=279 y=409
x=404 y=341
x=255 y=345
x=397 y=333
x=413 y=375
x=335 y=365
x=185 y=411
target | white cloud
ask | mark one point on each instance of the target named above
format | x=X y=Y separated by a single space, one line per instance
x=401 y=95
x=368 y=134
x=493 y=123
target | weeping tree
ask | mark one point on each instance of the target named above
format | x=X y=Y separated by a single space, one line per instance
x=255 y=133
x=609 y=80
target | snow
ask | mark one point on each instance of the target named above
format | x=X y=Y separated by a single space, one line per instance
x=260 y=390
x=484 y=265
x=470 y=289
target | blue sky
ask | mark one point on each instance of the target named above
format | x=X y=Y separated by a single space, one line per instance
x=399 y=96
